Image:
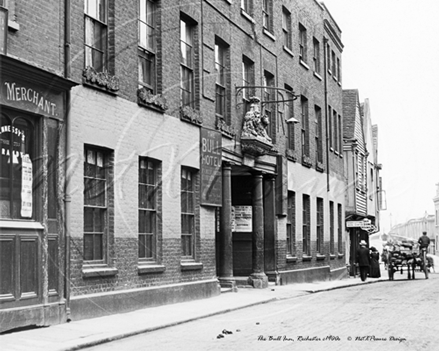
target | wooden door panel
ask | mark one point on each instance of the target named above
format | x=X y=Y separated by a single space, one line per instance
x=29 y=266
x=53 y=260
x=7 y=257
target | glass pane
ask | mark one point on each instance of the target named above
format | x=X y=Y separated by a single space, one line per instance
x=142 y=196
x=142 y=245
x=88 y=247
x=142 y=34
x=89 y=32
x=102 y=10
x=98 y=60
x=88 y=220
x=97 y=247
x=98 y=220
x=149 y=246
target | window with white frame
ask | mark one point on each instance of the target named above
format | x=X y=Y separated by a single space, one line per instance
x=287 y=31
x=246 y=6
x=187 y=198
x=319 y=225
x=332 y=227
x=305 y=127
x=96 y=34
x=316 y=56
x=220 y=54
x=302 y=43
x=290 y=226
x=267 y=15
x=288 y=106
x=147 y=44
x=318 y=134
x=187 y=92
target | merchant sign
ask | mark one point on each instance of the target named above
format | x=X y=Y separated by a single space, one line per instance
x=366 y=223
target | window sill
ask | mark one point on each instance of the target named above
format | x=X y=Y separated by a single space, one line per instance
x=190 y=115
x=150 y=268
x=290 y=52
x=340 y=255
x=340 y=84
x=15 y=224
x=291 y=259
x=269 y=34
x=332 y=256
x=155 y=102
x=229 y=2
x=247 y=16
x=335 y=79
x=290 y=154
x=307 y=258
x=191 y=266
x=100 y=80
x=13 y=26
x=320 y=257
x=329 y=71
x=305 y=65
x=99 y=272
x=317 y=75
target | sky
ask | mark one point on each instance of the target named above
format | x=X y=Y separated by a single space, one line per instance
x=391 y=55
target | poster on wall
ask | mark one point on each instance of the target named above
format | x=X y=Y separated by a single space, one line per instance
x=26 y=187
x=242 y=216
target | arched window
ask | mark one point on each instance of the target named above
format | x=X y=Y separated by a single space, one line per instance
x=17 y=170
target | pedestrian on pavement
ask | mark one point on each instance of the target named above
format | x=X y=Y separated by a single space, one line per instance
x=424 y=242
x=363 y=260
x=374 y=263
x=384 y=257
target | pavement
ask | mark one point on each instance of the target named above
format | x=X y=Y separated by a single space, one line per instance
x=80 y=334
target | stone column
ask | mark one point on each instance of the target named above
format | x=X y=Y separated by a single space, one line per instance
x=258 y=278
x=226 y=268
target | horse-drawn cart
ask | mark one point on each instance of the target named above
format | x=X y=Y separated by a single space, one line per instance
x=406 y=256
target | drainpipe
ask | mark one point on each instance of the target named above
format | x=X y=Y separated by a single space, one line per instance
x=67 y=185
x=326 y=113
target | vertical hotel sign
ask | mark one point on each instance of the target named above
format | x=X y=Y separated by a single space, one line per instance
x=211 y=167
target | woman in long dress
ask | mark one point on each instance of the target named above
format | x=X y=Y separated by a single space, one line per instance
x=374 y=263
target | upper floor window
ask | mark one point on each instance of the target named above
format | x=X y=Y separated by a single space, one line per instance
x=333 y=63
x=338 y=68
x=147 y=45
x=287 y=25
x=329 y=67
x=96 y=32
x=267 y=15
x=330 y=127
x=318 y=134
x=335 y=131
x=288 y=108
x=187 y=93
x=304 y=126
x=316 y=56
x=302 y=43
x=220 y=53
x=247 y=67
x=268 y=107
x=246 y=5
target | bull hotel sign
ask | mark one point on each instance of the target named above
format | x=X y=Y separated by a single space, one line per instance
x=210 y=167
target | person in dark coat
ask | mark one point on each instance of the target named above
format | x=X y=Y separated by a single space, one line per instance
x=363 y=260
x=374 y=263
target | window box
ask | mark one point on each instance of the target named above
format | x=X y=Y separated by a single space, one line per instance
x=188 y=114
x=332 y=256
x=190 y=266
x=291 y=259
x=224 y=128
x=319 y=166
x=340 y=255
x=101 y=80
x=290 y=154
x=95 y=272
x=306 y=161
x=307 y=258
x=320 y=257
x=145 y=98
x=150 y=268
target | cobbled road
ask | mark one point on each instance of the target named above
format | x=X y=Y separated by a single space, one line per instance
x=390 y=315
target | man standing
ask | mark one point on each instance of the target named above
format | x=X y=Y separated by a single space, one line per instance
x=363 y=260
x=424 y=241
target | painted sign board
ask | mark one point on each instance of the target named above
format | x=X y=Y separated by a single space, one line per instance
x=358 y=224
x=211 y=167
x=242 y=219
x=25 y=95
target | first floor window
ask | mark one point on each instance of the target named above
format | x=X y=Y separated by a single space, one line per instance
x=340 y=250
x=332 y=228
x=306 y=224
x=291 y=240
x=95 y=203
x=220 y=53
x=187 y=198
x=18 y=167
x=96 y=31
x=149 y=172
x=187 y=93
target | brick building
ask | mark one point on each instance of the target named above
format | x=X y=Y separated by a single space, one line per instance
x=202 y=143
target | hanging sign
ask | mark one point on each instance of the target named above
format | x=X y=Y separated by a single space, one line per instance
x=211 y=167
x=26 y=187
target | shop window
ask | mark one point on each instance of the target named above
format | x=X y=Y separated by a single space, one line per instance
x=147 y=44
x=18 y=168
x=96 y=34
x=96 y=193
x=149 y=193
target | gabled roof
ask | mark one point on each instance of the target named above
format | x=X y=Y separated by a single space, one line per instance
x=350 y=101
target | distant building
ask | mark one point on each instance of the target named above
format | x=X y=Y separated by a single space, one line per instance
x=414 y=228
x=363 y=194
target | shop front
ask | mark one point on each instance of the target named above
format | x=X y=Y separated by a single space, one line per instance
x=32 y=263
